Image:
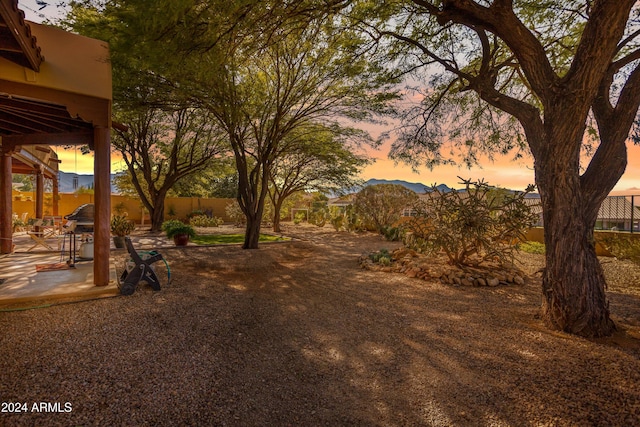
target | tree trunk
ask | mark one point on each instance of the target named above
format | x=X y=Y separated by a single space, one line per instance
x=252 y=232
x=277 y=207
x=573 y=283
x=157 y=212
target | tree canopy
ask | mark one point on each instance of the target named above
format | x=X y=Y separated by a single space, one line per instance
x=501 y=73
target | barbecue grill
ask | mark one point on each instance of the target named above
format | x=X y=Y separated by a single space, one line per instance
x=83 y=216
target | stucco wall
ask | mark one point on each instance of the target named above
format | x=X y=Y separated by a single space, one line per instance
x=182 y=206
x=537 y=235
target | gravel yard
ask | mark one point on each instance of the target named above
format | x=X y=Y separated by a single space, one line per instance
x=296 y=333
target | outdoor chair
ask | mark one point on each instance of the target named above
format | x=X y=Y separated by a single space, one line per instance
x=142 y=270
x=41 y=231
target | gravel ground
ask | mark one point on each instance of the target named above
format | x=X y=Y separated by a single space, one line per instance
x=297 y=334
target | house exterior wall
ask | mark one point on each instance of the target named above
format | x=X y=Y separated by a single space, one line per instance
x=72 y=63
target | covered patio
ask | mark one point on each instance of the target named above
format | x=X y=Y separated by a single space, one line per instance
x=55 y=90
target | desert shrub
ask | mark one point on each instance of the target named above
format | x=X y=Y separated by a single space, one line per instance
x=473 y=225
x=621 y=246
x=393 y=234
x=382 y=257
x=234 y=213
x=299 y=217
x=205 y=221
x=381 y=205
x=532 y=247
x=336 y=218
x=319 y=210
x=195 y=212
x=352 y=221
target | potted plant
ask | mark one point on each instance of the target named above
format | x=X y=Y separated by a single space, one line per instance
x=121 y=227
x=178 y=231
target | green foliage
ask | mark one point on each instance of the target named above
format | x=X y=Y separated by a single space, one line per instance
x=234 y=212
x=382 y=257
x=621 y=246
x=26 y=180
x=381 y=205
x=532 y=247
x=121 y=226
x=470 y=226
x=336 y=217
x=299 y=217
x=393 y=234
x=174 y=227
x=319 y=212
x=205 y=221
x=221 y=239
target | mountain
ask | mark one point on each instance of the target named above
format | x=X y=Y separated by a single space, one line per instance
x=65 y=182
x=413 y=186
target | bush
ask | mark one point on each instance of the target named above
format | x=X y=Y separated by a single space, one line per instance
x=382 y=257
x=393 y=234
x=532 y=247
x=121 y=226
x=471 y=226
x=205 y=221
x=381 y=205
x=299 y=217
x=621 y=246
x=234 y=212
x=174 y=227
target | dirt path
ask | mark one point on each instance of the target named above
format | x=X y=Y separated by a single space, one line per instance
x=297 y=334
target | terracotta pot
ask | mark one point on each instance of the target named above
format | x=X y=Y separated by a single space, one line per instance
x=181 y=239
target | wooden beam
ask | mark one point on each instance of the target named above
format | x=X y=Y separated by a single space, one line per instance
x=6 y=207
x=66 y=138
x=102 y=217
x=90 y=109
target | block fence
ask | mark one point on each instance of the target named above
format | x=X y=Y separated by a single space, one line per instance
x=68 y=202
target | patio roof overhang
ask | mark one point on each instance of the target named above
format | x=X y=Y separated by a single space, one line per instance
x=65 y=100
x=16 y=41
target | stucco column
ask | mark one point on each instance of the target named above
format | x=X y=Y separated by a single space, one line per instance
x=102 y=187
x=6 y=214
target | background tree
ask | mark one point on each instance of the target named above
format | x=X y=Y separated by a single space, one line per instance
x=315 y=158
x=547 y=66
x=219 y=179
x=160 y=147
x=165 y=137
x=381 y=205
x=261 y=96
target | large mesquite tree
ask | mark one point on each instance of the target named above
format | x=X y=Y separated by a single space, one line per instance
x=554 y=67
x=304 y=76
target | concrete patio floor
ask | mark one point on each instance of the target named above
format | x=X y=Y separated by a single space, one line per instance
x=21 y=282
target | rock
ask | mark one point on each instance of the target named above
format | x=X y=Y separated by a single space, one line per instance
x=518 y=280
x=481 y=282
x=413 y=272
x=466 y=282
x=493 y=282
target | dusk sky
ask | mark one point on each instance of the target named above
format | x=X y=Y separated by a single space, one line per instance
x=503 y=172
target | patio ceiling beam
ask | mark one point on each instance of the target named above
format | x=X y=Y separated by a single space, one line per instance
x=29 y=159
x=84 y=137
